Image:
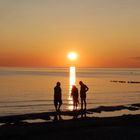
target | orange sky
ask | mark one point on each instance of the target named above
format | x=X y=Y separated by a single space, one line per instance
x=40 y=33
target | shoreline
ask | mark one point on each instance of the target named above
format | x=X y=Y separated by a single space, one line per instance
x=48 y=115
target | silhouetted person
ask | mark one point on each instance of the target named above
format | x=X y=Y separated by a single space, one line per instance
x=83 y=90
x=57 y=96
x=74 y=94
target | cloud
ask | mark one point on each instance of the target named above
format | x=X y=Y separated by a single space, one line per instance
x=136 y=58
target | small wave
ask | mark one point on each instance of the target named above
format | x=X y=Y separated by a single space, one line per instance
x=26 y=101
x=22 y=106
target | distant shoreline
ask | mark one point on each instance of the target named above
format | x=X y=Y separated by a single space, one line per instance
x=129 y=82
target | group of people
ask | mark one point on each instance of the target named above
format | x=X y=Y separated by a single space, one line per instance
x=74 y=95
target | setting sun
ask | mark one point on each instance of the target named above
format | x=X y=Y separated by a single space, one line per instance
x=72 y=55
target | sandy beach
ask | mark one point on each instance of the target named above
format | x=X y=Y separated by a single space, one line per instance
x=115 y=128
x=125 y=127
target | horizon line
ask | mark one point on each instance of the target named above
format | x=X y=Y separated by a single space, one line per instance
x=68 y=67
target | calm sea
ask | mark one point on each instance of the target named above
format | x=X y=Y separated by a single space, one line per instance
x=30 y=90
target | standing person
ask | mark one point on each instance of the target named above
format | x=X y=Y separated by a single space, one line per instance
x=57 y=96
x=83 y=90
x=74 y=94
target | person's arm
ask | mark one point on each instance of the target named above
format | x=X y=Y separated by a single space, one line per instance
x=71 y=93
x=87 y=88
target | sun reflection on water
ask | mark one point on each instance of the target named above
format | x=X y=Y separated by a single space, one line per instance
x=72 y=78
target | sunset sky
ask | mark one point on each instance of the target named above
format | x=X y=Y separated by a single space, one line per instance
x=40 y=33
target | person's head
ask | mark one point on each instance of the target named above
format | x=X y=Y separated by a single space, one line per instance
x=80 y=82
x=58 y=83
x=73 y=86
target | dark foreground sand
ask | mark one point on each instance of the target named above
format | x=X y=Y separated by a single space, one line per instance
x=115 y=128
x=126 y=127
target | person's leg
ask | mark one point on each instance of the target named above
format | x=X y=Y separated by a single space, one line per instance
x=76 y=105
x=73 y=104
x=85 y=103
x=81 y=103
x=55 y=104
x=60 y=103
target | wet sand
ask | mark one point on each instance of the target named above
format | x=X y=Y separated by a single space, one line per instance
x=47 y=115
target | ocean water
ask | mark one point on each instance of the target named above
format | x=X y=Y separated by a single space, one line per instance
x=30 y=90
